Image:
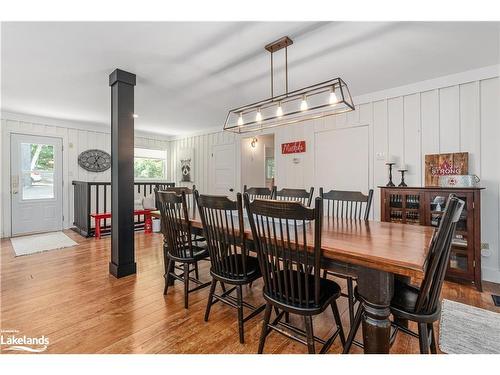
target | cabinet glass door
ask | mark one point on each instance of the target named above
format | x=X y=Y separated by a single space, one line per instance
x=404 y=207
x=460 y=254
x=396 y=207
x=412 y=209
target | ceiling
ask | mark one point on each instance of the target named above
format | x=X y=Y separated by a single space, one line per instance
x=189 y=74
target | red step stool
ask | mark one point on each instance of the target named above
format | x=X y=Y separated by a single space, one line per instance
x=148 y=224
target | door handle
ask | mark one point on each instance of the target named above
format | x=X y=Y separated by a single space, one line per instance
x=231 y=190
x=15 y=184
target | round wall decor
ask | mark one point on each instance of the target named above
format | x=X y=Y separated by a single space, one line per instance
x=94 y=160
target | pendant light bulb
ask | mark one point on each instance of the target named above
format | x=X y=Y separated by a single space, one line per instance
x=303 y=104
x=279 y=110
x=258 y=116
x=333 y=97
x=240 y=119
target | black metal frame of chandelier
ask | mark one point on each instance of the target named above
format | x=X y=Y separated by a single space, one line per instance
x=295 y=94
x=326 y=85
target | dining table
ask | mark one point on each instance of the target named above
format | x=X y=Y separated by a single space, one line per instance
x=373 y=252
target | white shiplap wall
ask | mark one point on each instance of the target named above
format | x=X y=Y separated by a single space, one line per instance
x=75 y=140
x=451 y=114
x=202 y=145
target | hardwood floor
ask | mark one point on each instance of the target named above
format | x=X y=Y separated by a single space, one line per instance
x=69 y=296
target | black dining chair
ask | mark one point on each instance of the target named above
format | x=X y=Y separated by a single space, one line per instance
x=231 y=264
x=354 y=205
x=191 y=204
x=189 y=193
x=296 y=195
x=178 y=242
x=421 y=304
x=287 y=237
x=347 y=204
x=260 y=192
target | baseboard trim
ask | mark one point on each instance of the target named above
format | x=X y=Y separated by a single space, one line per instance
x=122 y=270
x=491 y=275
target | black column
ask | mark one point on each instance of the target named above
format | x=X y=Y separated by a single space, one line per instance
x=122 y=173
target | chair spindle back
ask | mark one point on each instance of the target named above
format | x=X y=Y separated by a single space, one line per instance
x=260 y=192
x=175 y=224
x=296 y=195
x=223 y=226
x=347 y=204
x=438 y=257
x=289 y=258
x=189 y=193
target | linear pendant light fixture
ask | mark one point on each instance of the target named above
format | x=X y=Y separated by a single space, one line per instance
x=320 y=100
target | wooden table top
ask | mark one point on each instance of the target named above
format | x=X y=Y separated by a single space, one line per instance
x=397 y=248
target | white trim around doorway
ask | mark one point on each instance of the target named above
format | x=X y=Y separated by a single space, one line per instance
x=6 y=173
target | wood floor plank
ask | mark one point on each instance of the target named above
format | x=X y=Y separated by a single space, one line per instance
x=69 y=296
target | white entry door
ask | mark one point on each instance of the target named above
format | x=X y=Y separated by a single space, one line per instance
x=36 y=184
x=223 y=170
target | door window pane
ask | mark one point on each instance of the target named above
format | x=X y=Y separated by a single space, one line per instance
x=270 y=168
x=37 y=171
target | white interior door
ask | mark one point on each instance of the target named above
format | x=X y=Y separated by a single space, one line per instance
x=36 y=184
x=341 y=159
x=223 y=170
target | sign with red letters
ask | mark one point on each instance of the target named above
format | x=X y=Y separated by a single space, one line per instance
x=293 y=147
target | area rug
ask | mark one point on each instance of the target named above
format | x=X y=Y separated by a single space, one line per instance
x=37 y=243
x=466 y=329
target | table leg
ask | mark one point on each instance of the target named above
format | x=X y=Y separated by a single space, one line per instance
x=377 y=289
x=97 y=230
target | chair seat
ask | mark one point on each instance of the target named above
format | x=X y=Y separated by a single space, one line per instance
x=199 y=252
x=329 y=290
x=236 y=260
x=341 y=271
x=404 y=302
x=405 y=296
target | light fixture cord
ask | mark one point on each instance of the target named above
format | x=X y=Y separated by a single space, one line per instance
x=286 y=69
x=272 y=76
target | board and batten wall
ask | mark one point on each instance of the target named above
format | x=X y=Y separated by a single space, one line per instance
x=202 y=145
x=455 y=113
x=76 y=139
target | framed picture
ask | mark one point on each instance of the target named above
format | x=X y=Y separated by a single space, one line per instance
x=436 y=165
x=186 y=164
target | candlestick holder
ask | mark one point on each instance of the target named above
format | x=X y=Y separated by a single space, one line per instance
x=390 y=183
x=402 y=183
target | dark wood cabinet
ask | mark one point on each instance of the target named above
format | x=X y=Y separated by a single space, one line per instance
x=425 y=206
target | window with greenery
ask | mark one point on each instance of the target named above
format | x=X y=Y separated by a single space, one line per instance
x=150 y=164
x=269 y=168
x=42 y=157
x=149 y=168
